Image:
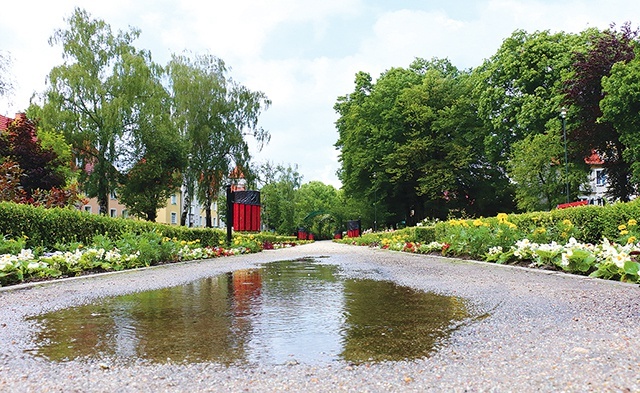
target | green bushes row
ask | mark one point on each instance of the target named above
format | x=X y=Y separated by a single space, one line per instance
x=590 y=224
x=49 y=228
x=587 y=224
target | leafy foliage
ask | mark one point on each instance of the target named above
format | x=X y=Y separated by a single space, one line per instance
x=105 y=95
x=412 y=145
x=215 y=113
x=584 y=91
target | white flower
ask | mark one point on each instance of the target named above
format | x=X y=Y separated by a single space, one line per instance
x=7 y=261
x=495 y=250
x=33 y=266
x=26 y=255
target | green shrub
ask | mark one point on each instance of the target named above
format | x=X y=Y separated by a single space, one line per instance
x=51 y=228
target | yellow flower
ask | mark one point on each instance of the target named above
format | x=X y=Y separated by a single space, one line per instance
x=502 y=217
x=632 y=222
x=541 y=230
x=512 y=225
x=622 y=233
x=631 y=240
x=622 y=227
x=564 y=235
x=567 y=222
x=477 y=222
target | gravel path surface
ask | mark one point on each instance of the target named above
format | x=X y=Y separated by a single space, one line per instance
x=541 y=331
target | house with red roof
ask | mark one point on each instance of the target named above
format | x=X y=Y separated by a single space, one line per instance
x=597 y=180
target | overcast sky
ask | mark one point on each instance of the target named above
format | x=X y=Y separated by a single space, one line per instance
x=302 y=53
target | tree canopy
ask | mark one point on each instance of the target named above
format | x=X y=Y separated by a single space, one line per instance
x=433 y=141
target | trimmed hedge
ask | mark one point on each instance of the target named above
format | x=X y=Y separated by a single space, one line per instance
x=591 y=224
x=50 y=227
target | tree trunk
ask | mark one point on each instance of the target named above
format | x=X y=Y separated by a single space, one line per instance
x=152 y=215
x=186 y=205
x=208 y=221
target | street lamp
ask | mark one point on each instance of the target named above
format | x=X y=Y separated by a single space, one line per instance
x=563 y=114
x=375 y=204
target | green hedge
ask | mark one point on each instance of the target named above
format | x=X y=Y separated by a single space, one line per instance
x=592 y=223
x=50 y=227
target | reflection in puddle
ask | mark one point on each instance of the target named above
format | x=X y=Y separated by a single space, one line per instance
x=294 y=311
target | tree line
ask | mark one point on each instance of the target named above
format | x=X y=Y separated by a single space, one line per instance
x=143 y=130
x=432 y=140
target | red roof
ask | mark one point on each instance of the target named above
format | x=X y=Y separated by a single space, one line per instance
x=594 y=159
x=4 y=122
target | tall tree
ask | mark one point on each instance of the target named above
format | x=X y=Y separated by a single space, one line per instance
x=92 y=98
x=537 y=168
x=215 y=114
x=584 y=92
x=411 y=145
x=158 y=154
x=621 y=108
x=521 y=87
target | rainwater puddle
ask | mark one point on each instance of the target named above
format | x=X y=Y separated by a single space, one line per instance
x=283 y=313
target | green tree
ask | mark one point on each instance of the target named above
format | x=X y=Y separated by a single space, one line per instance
x=621 y=108
x=369 y=124
x=214 y=113
x=584 y=93
x=278 y=197
x=411 y=145
x=521 y=87
x=538 y=169
x=54 y=140
x=315 y=203
x=93 y=96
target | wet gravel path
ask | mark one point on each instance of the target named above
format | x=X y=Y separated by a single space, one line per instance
x=540 y=331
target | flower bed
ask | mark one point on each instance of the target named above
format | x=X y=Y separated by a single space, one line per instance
x=18 y=264
x=538 y=240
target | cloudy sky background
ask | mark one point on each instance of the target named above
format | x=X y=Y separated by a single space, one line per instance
x=302 y=53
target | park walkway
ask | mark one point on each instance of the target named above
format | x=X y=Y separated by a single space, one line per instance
x=538 y=331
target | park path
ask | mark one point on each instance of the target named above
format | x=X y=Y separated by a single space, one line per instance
x=540 y=331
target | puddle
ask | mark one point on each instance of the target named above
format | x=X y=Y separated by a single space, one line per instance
x=284 y=313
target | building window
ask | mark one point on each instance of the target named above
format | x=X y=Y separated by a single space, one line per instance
x=113 y=195
x=125 y=213
x=87 y=209
x=214 y=222
x=113 y=213
x=174 y=199
x=601 y=177
x=174 y=218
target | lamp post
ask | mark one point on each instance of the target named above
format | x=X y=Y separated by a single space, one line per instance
x=563 y=114
x=375 y=203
